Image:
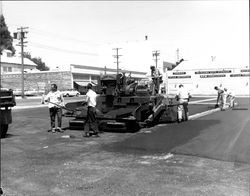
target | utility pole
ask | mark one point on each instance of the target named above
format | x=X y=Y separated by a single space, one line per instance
x=156 y=54
x=20 y=35
x=213 y=58
x=117 y=59
x=177 y=55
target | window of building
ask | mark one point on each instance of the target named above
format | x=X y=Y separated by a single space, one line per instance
x=5 y=69
x=9 y=54
x=9 y=69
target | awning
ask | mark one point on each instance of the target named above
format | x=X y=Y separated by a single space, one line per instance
x=84 y=83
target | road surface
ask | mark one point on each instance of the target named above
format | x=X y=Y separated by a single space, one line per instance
x=205 y=156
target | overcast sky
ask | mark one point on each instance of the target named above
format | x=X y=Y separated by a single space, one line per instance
x=67 y=32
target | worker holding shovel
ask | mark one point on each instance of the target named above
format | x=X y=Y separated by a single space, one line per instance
x=55 y=103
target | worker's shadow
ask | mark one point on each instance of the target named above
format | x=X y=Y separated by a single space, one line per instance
x=161 y=139
x=8 y=135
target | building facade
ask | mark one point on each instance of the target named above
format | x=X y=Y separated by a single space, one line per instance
x=76 y=78
x=203 y=81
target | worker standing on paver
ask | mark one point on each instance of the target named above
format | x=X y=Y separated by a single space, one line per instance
x=182 y=97
x=55 y=100
x=91 y=127
x=221 y=98
x=230 y=95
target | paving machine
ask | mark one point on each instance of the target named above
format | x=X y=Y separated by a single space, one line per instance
x=124 y=104
x=7 y=101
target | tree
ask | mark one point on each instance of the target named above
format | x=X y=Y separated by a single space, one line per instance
x=37 y=60
x=5 y=37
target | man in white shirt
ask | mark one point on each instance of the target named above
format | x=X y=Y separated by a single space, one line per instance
x=230 y=96
x=182 y=97
x=55 y=100
x=91 y=127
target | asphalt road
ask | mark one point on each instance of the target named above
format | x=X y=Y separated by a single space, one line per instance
x=204 y=156
x=224 y=135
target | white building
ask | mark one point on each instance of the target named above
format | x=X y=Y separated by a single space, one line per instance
x=13 y=64
x=201 y=79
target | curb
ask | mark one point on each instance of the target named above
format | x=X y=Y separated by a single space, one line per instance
x=195 y=116
x=28 y=107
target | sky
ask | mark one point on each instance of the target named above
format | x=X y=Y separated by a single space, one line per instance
x=86 y=32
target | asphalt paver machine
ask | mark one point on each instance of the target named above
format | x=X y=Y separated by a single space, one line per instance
x=124 y=105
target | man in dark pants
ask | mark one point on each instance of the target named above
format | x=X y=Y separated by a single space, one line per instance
x=182 y=96
x=91 y=127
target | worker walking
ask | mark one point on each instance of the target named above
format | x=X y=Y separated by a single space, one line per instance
x=55 y=100
x=91 y=126
x=221 y=98
x=183 y=98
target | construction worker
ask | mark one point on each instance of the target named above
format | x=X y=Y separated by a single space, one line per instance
x=230 y=97
x=221 y=98
x=91 y=127
x=55 y=100
x=183 y=98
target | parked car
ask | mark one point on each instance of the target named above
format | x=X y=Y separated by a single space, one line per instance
x=33 y=92
x=70 y=93
x=17 y=92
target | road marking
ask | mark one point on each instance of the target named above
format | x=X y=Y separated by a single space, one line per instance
x=202 y=103
x=198 y=115
x=203 y=100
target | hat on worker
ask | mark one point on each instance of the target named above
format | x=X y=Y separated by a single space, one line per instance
x=89 y=86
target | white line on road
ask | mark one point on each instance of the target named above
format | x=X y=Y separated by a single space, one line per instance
x=203 y=100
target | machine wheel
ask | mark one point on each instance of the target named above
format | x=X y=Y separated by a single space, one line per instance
x=3 y=130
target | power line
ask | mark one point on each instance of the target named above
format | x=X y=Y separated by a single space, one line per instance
x=57 y=36
x=42 y=46
x=39 y=32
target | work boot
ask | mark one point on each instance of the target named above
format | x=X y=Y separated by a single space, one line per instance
x=59 y=129
x=95 y=134
x=87 y=134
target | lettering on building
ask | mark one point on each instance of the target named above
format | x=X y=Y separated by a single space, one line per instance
x=239 y=75
x=245 y=70
x=179 y=73
x=212 y=76
x=213 y=72
x=178 y=77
